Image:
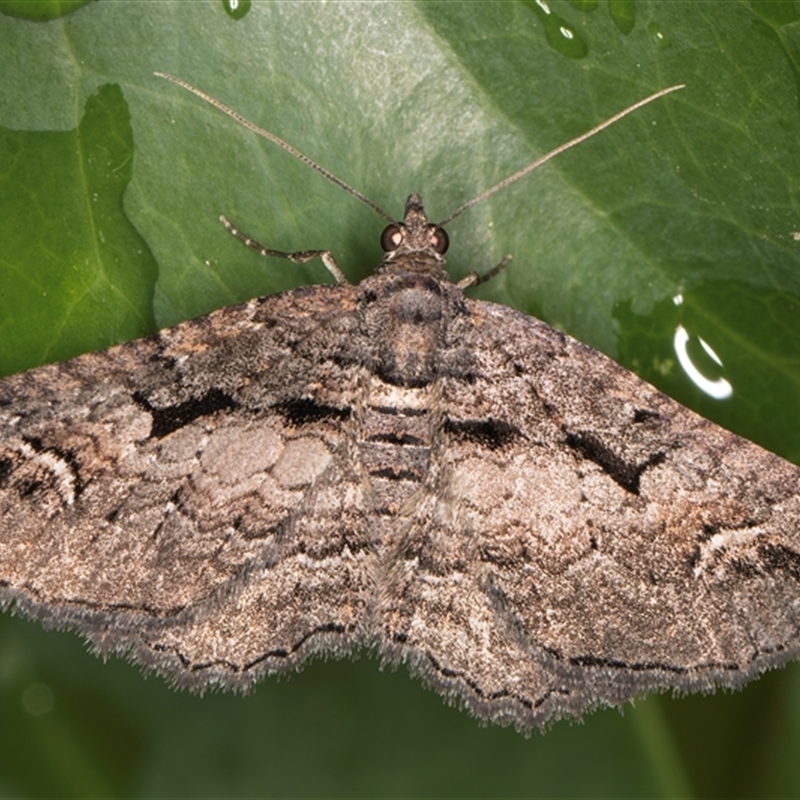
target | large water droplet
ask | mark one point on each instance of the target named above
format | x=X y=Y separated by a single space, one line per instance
x=719 y=389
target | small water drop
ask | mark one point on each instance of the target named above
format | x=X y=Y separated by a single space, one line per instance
x=560 y=35
x=658 y=36
x=236 y=8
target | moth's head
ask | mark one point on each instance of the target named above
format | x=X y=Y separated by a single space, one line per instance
x=414 y=234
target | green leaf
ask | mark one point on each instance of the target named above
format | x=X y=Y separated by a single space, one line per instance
x=71 y=260
x=684 y=213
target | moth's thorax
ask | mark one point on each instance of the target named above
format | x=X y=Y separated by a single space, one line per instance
x=405 y=315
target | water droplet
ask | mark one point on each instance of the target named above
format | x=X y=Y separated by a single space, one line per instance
x=623 y=14
x=560 y=35
x=41 y=12
x=658 y=36
x=719 y=389
x=236 y=8
x=37 y=699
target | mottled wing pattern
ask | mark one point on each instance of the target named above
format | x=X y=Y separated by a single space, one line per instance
x=531 y=528
x=175 y=495
x=587 y=538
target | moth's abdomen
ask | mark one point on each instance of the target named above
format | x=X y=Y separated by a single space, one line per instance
x=394 y=440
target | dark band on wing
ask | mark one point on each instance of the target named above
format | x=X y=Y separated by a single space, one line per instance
x=304 y=411
x=625 y=473
x=492 y=433
x=779 y=558
x=168 y=419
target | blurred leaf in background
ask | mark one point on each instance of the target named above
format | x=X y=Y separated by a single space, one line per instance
x=687 y=213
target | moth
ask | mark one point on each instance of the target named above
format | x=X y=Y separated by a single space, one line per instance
x=533 y=530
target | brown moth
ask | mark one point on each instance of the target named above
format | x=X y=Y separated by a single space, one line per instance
x=530 y=528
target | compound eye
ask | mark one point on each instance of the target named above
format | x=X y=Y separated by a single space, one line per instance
x=392 y=237
x=439 y=239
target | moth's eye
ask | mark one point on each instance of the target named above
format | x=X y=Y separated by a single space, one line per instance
x=439 y=239
x=392 y=237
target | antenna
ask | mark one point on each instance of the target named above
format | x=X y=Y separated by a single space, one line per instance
x=272 y=138
x=482 y=196
x=560 y=149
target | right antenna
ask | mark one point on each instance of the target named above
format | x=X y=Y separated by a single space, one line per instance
x=560 y=149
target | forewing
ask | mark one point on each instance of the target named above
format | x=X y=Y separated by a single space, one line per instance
x=589 y=538
x=190 y=497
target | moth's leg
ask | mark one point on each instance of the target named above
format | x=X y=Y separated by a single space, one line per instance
x=474 y=278
x=298 y=258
